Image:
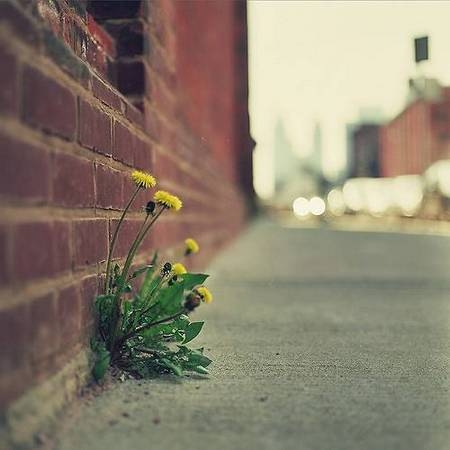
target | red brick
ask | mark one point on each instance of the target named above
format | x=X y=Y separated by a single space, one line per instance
x=143 y=197
x=97 y=57
x=73 y=181
x=152 y=123
x=25 y=172
x=89 y=241
x=44 y=328
x=134 y=115
x=89 y=290
x=13 y=383
x=14 y=336
x=142 y=155
x=95 y=128
x=5 y=271
x=109 y=187
x=62 y=256
x=48 y=105
x=32 y=249
x=123 y=147
x=19 y=23
x=69 y=315
x=105 y=94
x=8 y=84
x=127 y=234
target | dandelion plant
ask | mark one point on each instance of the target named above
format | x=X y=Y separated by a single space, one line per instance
x=143 y=323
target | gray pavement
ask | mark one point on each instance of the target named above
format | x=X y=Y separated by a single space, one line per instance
x=322 y=339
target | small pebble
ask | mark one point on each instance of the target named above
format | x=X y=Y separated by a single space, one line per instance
x=263 y=399
x=156 y=420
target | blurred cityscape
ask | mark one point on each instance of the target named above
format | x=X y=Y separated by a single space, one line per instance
x=396 y=164
x=395 y=167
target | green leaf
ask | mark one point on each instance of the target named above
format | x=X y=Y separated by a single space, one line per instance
x=177 y=370
x=170 y=299
x=192 y=331
x=102 y=361
x=193 y=279
x=200 y=369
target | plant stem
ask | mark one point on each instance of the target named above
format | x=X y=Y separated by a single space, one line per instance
x=114 y=239
x=152 y=324
x=115 y=323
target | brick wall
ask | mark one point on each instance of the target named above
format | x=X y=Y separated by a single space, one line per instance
x=417 y=137
x=92 y=90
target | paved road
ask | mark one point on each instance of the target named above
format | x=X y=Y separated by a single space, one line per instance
x=325 y=340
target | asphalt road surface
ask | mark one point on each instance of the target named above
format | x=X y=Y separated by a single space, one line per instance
x=322 y=340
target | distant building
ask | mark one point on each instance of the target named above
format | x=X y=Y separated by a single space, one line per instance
x=285 y=160
x=418 y=136
x=365 y=150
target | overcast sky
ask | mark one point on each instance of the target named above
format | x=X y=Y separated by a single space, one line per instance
x=325 y=61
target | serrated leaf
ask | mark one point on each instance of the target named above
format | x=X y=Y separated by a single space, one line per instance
x=192 y=331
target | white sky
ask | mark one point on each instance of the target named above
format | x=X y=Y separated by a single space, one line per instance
x=325 y=61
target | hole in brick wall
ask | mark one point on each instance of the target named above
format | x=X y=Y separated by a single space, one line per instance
x=118 y=9
x=124 y=21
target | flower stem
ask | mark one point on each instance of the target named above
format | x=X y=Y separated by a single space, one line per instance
x=116 y=322
x=114 y=239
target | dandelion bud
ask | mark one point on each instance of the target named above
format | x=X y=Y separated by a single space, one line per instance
x=166 y=269
x=192 y=301
x=150 y=207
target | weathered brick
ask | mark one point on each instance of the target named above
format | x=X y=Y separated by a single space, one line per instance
x=127 y=234
x=89 y=241
x=109 y=187
x=47 y=104
x=69 y=315
x=9 y=84
x=89 y=289
x=19 y=23
x=14 y=336
x=14 y=383
x=134 y=115
x=95 y=128
x=44 y=327
x=105 y=94
x=32 y=250
x=27 y=172
x=64 y=57
x=122 y=150
x=142 y=154
x=73 y=181
x=62 y=256
x=5 y=271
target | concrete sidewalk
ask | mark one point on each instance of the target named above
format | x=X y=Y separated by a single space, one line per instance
x=321 y=340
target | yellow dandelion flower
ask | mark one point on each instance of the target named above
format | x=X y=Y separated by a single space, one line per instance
x=191 y=246
x=143 y=179
x=205 y=294
x=178 y=269
x=168 y=200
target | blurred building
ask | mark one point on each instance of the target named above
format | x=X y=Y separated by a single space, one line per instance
x=285 y=160
x=420 y=134
x=365 y=150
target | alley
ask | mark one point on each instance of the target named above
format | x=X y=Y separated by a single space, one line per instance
x=321 y=340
